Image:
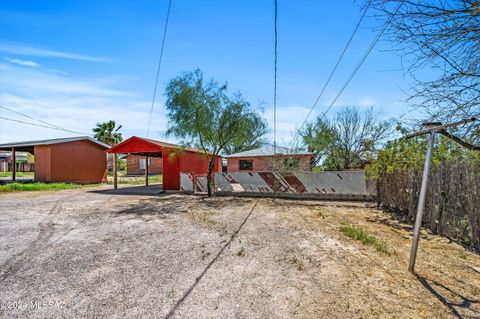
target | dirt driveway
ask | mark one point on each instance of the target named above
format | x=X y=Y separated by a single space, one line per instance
x=80 y=254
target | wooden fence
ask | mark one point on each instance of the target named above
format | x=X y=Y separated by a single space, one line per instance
x=452 y=206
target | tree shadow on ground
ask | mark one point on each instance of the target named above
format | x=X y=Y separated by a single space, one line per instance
x=389 y=222
x=445 y=295
x=153 y=190
x=164 y=206
x=151 y=208
x=222 y=202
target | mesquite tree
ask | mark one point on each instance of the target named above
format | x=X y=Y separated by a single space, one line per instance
x=202 y=114
x=349 y=140
x=440 y=46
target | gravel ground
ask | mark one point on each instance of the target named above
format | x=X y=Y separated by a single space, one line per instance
x=81 y=254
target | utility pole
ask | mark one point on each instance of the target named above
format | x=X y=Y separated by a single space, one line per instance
x=431 y=129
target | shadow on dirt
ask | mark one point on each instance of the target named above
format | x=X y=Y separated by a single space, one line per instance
x=436 y=289
x=148 y=208
x=389 y=222
x=222 y=202
x=153 y=190
x=164 y=206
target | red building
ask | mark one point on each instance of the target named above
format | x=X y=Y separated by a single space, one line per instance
x=78 y=160
x=261 y=160
x=175 y=159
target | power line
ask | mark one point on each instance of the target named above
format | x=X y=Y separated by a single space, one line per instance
x=275 y=84
x=336 y=64
x=366 y=54
x=159 y=65
x=39 y=125
x=362 y=60
x=50 y=125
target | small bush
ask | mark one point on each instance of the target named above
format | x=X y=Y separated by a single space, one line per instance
x=364 y=237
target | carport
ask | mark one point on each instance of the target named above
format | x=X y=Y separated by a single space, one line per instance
x=176 y=159
x=78 y=160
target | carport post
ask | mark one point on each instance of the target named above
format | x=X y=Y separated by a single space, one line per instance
x=146 y=170
x=14 y=165
x=115 y=182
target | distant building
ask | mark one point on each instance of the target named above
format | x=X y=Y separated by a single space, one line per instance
x=136 y=165
x=261 y=159
x=21 y=158
x=7 y=156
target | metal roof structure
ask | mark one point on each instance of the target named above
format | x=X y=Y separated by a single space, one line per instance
x=165 y=144
x=28 y=144
x=149 y=147
x=268 y=150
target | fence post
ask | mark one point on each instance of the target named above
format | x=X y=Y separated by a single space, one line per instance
x=421 y=202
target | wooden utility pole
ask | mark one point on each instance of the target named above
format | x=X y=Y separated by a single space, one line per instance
x=431 y=129
x=14 y=165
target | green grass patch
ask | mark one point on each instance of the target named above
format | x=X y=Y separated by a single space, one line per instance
x=27 y=187
x=137 y=180
x=18 y=174
x=364 y=237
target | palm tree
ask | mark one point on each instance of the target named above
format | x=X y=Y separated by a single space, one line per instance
x=107 y=133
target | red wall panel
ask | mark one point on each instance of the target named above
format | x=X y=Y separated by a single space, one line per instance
x=42 y=163
x=81 y=162
x=175 y=162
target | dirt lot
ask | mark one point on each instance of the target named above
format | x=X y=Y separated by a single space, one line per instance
x=77 y=253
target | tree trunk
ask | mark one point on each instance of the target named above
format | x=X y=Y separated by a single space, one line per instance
x=211 y=164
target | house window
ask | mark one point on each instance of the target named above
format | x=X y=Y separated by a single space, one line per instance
x=245 y=165
x=141 y=163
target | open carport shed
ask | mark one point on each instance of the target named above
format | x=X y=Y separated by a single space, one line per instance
x=78 y=160
x=175 y=159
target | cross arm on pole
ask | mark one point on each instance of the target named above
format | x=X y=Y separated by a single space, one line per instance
x=441 y=127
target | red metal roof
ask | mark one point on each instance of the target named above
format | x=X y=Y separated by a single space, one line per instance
x=137 y=144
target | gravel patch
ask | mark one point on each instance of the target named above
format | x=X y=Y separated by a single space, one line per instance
x=84 y=254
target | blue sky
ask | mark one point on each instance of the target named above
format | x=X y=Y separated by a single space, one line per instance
x=75 y=63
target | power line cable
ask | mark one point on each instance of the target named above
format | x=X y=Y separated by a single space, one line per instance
x=159 y=65
x=47 y=125
x=39 y=125
x=362 y=60
x=275 y=83
x=366 y=54
x=336 y=65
